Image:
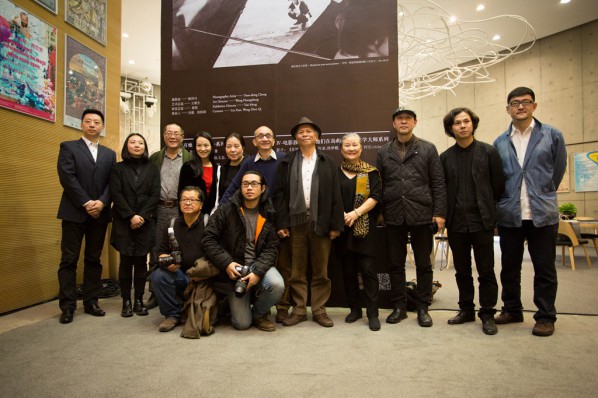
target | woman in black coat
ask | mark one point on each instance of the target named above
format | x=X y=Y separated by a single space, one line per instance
x=360 y=190
x=135 y=192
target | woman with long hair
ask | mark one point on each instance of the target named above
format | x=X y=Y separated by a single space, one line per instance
x=360 y=190
x=135 y=193
x=202 y=171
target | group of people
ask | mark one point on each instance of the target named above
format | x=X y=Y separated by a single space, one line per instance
x=268 y=221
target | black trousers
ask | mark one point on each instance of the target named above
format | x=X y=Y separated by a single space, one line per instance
x=421 y=242
x=541 y=244
x=126 y=276
x=72 y=238
x=483 y=251
x=352 y=263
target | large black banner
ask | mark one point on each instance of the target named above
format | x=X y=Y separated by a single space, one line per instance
x=235 y=65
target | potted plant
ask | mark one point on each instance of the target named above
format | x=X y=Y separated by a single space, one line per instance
x=567 y=211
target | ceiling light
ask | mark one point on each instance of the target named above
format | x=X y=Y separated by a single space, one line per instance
x=496 y=37
x=480 y=7
x=453 y=19
x=125 y=35
x=131 y=62
x=565 y=1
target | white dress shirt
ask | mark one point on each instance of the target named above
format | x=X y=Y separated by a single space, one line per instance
x=520 y=141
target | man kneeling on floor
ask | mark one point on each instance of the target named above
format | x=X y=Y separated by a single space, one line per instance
x=170 y=279
x=241 y=240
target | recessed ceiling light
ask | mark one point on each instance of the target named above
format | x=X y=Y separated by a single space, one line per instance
x=496 y=37
x=452 y=19
x=125 y=35
x=565 y=1
x=131 y=62
x=480 y=7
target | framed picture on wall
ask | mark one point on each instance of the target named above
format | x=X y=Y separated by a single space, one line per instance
x=89 y=16
x=50 y=5
x=27 y=63
x=84 y=82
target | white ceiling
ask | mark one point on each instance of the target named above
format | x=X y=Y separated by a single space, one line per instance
x=141 y=20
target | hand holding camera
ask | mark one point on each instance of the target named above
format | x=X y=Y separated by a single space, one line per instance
x=242 y=273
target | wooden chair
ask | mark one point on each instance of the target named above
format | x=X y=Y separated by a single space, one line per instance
x=571 y=238
x=592 y=226
x=441 y=238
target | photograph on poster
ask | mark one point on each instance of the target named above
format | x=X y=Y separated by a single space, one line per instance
x=50 y=5
x=85 y=82
x=258 y=32
x=89 y=16
x=27 y=63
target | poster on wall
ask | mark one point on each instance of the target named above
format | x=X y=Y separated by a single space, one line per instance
x=50 y=5
x=89 y=16
x=586 y=171
x=84 y=82
x=234 y=65
x=27 y=63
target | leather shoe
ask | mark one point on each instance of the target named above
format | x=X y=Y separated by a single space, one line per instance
x=168 y=324
x=507 y=317
x=127 y=310
x=462 y=317
x=66 y=316
x=489 y=326
x=543 y=328
x=139 y=308
x=94 y=309
x=396 y=315
x=374 y=323
x=423 y=318
x=354 y=315
x=294 y=319
x=323 y=320
x=281 y=314
x=264 y=324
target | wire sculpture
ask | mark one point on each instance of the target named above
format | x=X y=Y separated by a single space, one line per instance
x=438 y=52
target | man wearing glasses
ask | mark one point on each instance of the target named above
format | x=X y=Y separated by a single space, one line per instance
x=241 y=240
x=170 y=280
x=169 y=160
x=534 y=158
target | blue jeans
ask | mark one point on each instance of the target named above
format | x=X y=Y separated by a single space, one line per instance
x=269 y=290
x=167 y=286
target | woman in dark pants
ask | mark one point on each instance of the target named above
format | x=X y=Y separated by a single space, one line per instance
x=234 y=146
x=135 y=192
x=360 y=190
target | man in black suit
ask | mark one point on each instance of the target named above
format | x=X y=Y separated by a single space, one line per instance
x=84 y=170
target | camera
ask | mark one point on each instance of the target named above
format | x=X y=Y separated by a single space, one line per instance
x=176 y=256
x=173 y=258
x=241 y=285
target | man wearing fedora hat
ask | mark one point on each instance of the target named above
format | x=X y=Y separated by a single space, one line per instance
x=307 y=199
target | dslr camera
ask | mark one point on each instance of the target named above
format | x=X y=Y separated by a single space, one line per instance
x=176 y=256
x=241 y=285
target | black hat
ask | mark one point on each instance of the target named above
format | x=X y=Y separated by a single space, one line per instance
x=400 y=110
x=305 y=120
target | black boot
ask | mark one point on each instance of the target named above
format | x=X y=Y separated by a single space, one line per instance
x=139 y=308
x=127 y=311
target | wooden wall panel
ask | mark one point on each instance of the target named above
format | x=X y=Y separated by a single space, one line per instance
x=29 y=189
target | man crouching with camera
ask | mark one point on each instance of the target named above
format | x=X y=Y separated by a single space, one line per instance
x=179 y=249
x=241 y=240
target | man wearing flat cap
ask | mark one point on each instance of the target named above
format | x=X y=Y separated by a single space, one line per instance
x=413 y=205
x=308 y=203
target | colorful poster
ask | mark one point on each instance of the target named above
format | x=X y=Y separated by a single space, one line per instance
x=50 y=5
x=89 y=16
x=27 y=63
x=234 y=65
x=586 y=171
x=85 y=82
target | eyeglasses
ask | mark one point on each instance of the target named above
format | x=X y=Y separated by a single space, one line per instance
x=515 y=104
x=171 y=134
x=192 y=201
x=262 y=136
x=254 y=184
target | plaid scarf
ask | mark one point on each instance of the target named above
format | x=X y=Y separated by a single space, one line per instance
x=361 y=226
